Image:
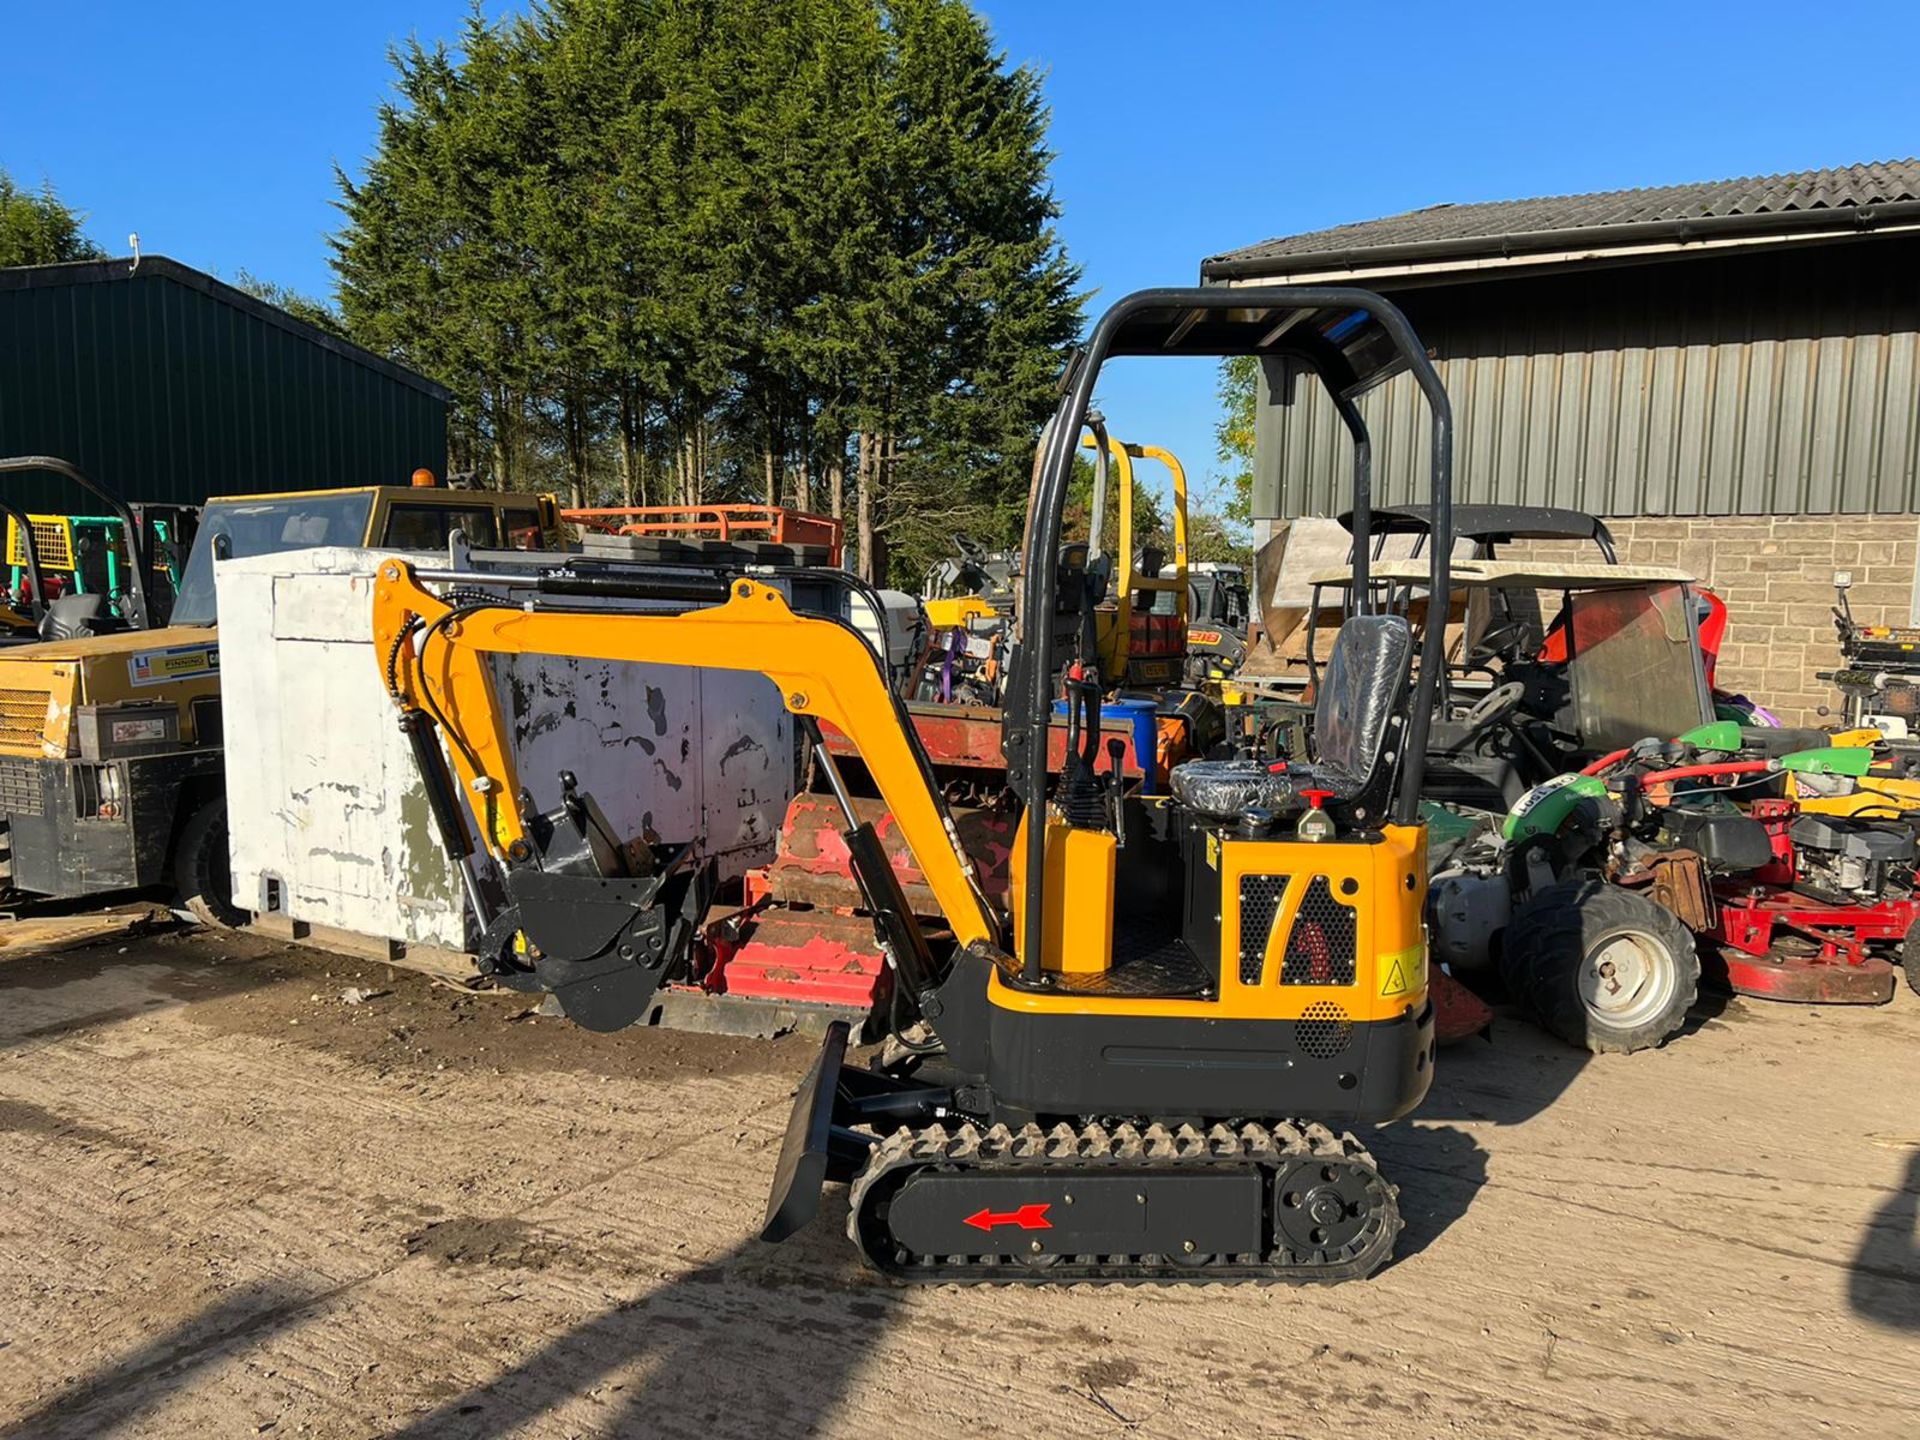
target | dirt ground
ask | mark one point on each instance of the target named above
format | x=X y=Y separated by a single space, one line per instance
x=233 y=1204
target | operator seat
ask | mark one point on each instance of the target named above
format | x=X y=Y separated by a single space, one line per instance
x=75 y=617
x=1356 y=723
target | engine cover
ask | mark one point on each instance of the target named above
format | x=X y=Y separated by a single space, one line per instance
x=1855 y=839
x=1726 y=840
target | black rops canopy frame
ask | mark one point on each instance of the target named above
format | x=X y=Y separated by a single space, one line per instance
x=136 y=603
x=1352 y=339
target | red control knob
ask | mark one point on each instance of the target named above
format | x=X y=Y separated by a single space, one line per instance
x=1316 y=798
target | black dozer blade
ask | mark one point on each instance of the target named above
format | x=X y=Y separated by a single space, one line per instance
x=806 y=1152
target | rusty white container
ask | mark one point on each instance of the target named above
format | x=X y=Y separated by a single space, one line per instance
x=328 y=818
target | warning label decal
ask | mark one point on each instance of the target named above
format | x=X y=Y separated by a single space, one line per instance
x=180 y=662
x=1404 y=973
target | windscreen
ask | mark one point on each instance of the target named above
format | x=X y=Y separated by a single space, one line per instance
x=1636 y=667
x=240 y=528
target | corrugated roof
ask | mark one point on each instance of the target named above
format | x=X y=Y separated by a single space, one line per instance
x=164 y=385
x=147 y=268
x=1458 y=227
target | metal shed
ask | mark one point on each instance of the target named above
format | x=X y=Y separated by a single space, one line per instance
x=1729 y=372
x=167 y=385
x=1743 y=347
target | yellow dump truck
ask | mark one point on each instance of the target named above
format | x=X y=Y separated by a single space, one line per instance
x=111 y=771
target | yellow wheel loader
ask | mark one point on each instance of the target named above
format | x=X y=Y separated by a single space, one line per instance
x=1136 y=1070
x=112 y=771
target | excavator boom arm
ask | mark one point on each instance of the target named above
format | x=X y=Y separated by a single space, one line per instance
x=823 y=669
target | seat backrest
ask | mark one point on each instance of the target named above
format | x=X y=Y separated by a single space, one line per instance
x=72 y=617
x=1363 y=689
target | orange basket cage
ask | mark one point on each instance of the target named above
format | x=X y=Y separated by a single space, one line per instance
x=726 y=523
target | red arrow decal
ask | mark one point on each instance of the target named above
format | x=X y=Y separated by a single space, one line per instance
x=1027 y=1217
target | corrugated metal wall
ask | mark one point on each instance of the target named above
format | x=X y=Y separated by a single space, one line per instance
x=167 y=386
x=1781 y=382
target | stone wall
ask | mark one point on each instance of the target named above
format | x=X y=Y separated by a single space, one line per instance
x=1776 y=575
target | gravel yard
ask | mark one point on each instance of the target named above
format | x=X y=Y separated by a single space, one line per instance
x=233 y=1203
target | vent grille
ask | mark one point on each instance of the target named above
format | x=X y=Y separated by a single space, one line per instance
x=20 y=792
x=1322 y=947
x=23 y=718
x=1323 y=1030
x=1259 y=902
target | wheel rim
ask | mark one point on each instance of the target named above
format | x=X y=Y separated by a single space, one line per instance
x=1628 y=980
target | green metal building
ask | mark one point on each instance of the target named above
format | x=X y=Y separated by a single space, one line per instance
x=167 y=386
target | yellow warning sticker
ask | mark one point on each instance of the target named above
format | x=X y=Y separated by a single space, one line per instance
x=1404 y=973
x=1213 y=850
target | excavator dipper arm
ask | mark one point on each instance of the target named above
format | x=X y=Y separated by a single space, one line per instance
x=434 y=649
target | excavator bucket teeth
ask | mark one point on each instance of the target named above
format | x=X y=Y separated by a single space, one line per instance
x=804 y=1155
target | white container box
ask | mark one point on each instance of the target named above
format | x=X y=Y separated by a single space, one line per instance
x=328 y=816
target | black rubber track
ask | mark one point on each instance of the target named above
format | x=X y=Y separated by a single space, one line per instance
x=1125 y=1146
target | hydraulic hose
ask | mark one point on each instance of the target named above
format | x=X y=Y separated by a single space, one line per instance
x=1723 y=767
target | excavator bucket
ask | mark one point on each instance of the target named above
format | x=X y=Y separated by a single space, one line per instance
x=601 y=945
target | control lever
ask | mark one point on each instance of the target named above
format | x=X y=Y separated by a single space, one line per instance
x=1116 y=754
x=1083 y=799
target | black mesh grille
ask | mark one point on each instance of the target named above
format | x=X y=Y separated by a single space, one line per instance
x=1259 y=899
x=1323 y=1030
x=1321 y=949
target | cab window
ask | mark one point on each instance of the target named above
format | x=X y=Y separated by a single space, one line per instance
x=239 y=528
x=523 y=530
x=428 y=527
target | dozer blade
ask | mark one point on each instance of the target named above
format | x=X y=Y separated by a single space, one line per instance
x=805 y=1154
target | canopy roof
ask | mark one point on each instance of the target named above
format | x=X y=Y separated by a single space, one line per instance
x=1340 y=338
x=1516 y=575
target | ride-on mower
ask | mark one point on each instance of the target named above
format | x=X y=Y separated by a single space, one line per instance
x=1130 y=1071
x=1591 y=894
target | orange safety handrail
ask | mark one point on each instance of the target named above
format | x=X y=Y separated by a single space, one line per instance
x=774 y=523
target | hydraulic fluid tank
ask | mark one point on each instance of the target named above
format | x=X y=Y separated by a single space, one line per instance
x=1081 y=869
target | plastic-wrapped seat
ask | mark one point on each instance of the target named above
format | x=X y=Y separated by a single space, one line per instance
x=1359 y=709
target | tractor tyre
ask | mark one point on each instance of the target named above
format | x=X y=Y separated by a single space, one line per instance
x=1603 y=968
x=1910 y=957
x=202 y=873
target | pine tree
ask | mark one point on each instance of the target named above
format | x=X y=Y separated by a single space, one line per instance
x=37 y=228
x=680 y=251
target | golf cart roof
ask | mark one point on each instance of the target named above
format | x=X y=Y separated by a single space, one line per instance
x=1516 y=575
x=1348 y=346
x=1498 y=523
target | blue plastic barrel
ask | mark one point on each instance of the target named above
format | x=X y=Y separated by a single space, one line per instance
x=1143 y=717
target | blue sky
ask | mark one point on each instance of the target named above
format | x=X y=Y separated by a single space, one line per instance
x=1181 y=130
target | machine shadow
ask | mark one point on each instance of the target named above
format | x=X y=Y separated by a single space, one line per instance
x=773 y=1337
x=1440 y=1170
x=1883 y=1282
x=1507 y=1078
x=119 y=1394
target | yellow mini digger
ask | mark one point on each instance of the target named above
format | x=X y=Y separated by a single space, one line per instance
x=1130 y=1073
